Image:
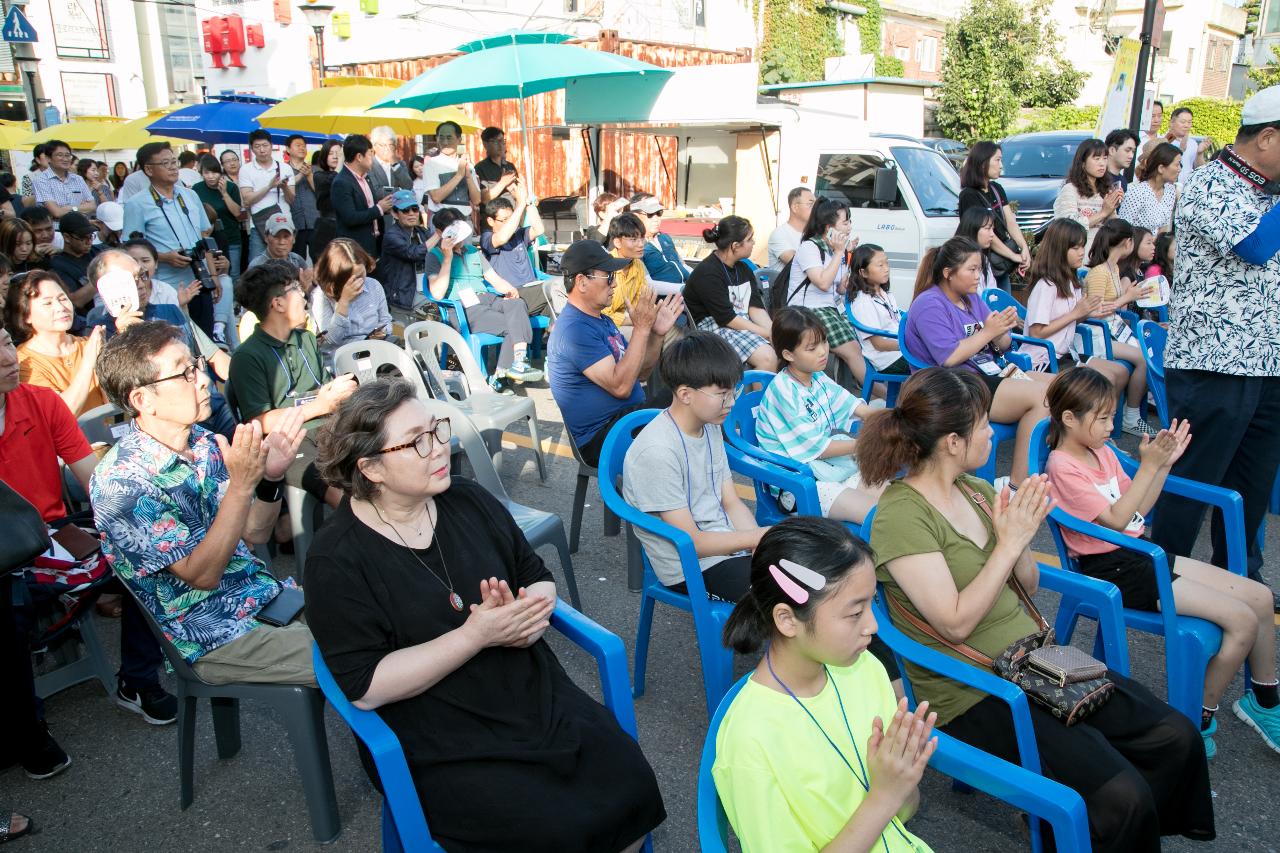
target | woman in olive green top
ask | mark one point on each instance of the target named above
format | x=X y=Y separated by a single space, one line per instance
x=946 y=548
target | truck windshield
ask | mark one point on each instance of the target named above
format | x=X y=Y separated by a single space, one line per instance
x=934 y=180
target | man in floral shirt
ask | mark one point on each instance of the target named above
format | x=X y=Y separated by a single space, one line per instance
x=176 y=504
x=1223 y=355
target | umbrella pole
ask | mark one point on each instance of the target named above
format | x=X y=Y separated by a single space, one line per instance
x=524 y=143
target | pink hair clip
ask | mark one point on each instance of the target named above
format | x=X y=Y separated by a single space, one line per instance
x=804 y=575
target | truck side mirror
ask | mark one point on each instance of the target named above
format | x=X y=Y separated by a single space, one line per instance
x=885 y=190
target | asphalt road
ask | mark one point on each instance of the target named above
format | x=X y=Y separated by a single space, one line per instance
x=121 y=793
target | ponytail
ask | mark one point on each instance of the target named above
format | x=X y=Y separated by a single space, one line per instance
x=748 y=628
x=933 y=403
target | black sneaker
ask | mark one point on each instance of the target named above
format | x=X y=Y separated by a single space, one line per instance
x=155 y=705
x=47 y=758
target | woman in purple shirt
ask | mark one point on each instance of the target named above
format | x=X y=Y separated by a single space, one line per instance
x=949 y=325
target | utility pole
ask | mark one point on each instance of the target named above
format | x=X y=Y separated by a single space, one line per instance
x=1144 y=62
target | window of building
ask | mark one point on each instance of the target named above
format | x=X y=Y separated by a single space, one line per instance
x=1271 y=22
x=928 y=47
x=1191 y=59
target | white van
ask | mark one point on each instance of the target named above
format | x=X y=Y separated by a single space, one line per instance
x=902 y=196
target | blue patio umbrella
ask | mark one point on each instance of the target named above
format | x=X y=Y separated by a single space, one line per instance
x=228 y=120
x=516 y=65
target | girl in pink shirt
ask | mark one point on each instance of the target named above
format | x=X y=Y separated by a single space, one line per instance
x=1088 y=482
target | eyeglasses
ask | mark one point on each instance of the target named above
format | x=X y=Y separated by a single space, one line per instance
x=638 y=238
x=726 y=398
x=608 y=277
x=164 y=164
x=296 y=286
x=422 y=445
x=189 y=373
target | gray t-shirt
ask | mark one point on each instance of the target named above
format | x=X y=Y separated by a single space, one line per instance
x=666 y=470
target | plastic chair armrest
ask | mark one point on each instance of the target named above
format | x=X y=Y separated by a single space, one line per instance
x=1027 y=340
x=802 y=485
x=611 y=659
x=970 y=676
x=1105 y=598
x=1051 y=801
x=1227 y=501
x=1106 y=336
x=1232 y=507
x=385 y=749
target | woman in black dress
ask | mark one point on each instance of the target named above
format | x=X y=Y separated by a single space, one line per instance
x=429 y=605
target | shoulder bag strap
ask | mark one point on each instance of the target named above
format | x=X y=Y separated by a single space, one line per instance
x=979 y=499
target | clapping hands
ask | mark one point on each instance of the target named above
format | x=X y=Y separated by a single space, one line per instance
x=1168 y=445
x=504 y=619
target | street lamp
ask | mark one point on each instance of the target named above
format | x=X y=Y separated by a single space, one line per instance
x=317 y=15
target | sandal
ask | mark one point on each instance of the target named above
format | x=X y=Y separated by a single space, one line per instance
x=109 y=606
x=6 y=824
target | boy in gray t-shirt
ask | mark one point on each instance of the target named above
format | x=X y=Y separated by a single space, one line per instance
x=677 y=469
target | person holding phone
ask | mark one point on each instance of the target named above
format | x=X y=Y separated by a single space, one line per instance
x=266 y=187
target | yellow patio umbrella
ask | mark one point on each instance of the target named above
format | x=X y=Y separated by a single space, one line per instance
x=81 y=134
x=12 y=133
x=341 y=105
x=133 y=134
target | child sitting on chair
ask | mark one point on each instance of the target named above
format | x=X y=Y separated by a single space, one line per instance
x=1087 y=481
x=677 y=469
x=818 y=708
x=806 y=416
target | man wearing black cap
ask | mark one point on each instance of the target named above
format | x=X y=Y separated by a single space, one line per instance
x=72 y=263
x=594 y=372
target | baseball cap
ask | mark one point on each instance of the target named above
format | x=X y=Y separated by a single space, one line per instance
x=586 y=255
x=111 y=214
x=1262 y=108
x=76 y=224
x=403 y=200
x=279 y=222
x=649 y=205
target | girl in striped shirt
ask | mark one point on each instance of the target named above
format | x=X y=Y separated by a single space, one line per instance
x=806 y=416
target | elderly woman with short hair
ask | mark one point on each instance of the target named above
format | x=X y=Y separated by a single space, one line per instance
x=429 y=605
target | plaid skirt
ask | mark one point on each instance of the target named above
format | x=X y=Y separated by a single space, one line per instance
x=839 y=330
x=744 y=343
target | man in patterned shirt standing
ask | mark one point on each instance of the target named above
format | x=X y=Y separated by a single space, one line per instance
x=1222 y=359
x=176 y=505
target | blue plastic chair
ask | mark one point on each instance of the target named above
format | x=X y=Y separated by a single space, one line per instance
x=452 y=312
x=1111 y=648
x=708 y=616
x=740 y=438
x=1021 y=788
x=1189 y=641
x=1152 y=338
x=542 y=322
x=998 y=300
x=892 y=381
x=999 y=432
x=404 y=826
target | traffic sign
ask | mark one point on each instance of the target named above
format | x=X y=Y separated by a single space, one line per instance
x=17 y=28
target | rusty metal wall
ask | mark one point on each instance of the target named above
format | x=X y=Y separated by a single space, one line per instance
x=631 y=162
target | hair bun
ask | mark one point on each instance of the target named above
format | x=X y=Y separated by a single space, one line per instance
x=711 y=234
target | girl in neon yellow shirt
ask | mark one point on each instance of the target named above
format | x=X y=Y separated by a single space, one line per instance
x=816 y=752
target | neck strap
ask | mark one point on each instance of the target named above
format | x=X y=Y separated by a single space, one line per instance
x=1251 y=176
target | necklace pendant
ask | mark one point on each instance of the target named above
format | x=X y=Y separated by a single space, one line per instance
x=455 y=601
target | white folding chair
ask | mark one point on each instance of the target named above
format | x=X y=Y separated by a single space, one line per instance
x=539 y=527
x=489 y=410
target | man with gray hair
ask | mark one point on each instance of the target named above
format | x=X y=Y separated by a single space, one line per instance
x=388 y=173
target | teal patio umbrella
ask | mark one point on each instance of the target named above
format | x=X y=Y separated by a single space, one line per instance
x=516 y=65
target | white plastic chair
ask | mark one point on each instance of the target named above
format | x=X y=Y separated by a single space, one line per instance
x=489 y=410
x=365 y=359
x=539 y=527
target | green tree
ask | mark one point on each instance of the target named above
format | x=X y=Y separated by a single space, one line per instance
x=1253 y=8
x=799 y=36
x=1263 y=76
x=1001 y=55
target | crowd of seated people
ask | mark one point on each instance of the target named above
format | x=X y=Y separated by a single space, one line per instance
x=455 y=660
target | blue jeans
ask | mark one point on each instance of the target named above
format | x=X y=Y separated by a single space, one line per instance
x=224 y=310
x=256 y=244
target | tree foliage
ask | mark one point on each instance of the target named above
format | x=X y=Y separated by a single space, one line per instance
x=799 y=36
x=1263 y=76
x=1001 y=55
